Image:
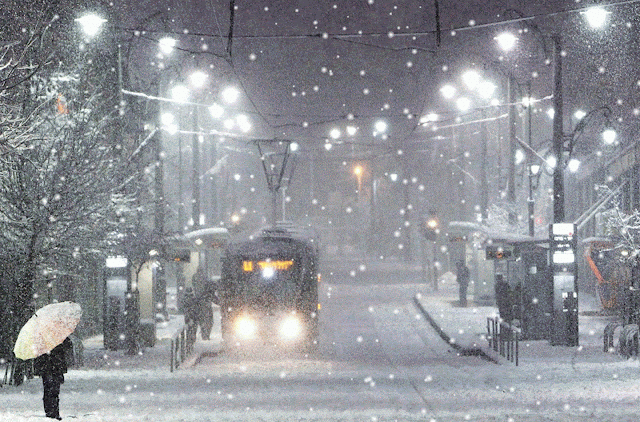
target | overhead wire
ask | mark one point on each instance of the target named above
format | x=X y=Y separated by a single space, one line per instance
x=349 y=38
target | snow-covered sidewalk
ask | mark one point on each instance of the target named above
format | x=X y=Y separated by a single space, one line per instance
x=467 y=328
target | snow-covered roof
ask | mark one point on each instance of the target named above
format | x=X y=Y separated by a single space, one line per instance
x=492 y=233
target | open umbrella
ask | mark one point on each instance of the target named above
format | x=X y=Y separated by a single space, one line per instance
x=46 y=329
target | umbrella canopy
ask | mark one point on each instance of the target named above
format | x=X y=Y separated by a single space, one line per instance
x=46 y=329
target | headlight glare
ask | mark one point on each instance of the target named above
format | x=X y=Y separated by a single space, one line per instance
x=245 y=327
x=290 y=327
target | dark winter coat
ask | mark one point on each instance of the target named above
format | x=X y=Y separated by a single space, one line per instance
x=54 y=362
x=463 y=275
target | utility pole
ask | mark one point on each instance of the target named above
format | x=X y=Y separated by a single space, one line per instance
x=484 y=194
x=180 y=187
x=511 y=183
x=558 y=175
x=195 y=147
x=530 y=201
x=408 y=253
x=158 y=215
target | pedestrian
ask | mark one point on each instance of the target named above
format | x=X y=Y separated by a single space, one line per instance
x=190 y=308
x=462 y=275
x=51 y=367
x=204 y=294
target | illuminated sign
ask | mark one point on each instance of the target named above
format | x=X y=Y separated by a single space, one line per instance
x=500 y=252
x=182 y=255
x=563 y=257
x=248 y=266
x=116 y=262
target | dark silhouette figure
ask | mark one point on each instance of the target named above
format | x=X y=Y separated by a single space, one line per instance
x=51 y=367
x=462 y=275
x=190 y=307
x=205 y=298
x=503 y=298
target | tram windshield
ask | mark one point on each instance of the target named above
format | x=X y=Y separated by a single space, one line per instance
x=267 y=282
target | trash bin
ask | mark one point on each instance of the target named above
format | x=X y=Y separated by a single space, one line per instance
x=147 y=332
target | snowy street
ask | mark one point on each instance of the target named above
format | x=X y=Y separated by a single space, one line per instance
x=378 y=360
x=388 y=211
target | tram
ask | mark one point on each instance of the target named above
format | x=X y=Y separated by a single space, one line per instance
x=268 y=290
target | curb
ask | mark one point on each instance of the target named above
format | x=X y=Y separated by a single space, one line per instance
x=463 y=351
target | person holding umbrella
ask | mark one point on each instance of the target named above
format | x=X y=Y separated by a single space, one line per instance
x=45 y=338
x=51 y=367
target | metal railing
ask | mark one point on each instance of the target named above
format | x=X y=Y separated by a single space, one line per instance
x=182 y=345
x=504 y=338
x=628 y=339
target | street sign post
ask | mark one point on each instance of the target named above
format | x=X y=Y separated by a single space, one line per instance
x=564 y=274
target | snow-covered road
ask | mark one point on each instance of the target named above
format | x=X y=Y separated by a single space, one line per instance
x=378 y=360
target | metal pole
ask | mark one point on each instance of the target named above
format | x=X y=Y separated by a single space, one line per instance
x=120 y=94
x=274 y=206
x=558 y=175
x=158 y=221
x=511 y=185
x=484 y=195
x=530 y=201
x=195 y=146
x=435 y=268
x=406 y=177
x=284 y=203
x=180 y=188
x=215 y=215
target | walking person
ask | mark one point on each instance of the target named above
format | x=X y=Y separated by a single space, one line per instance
x=190 y=309
x=205 y=298
x=51 y=367
x=462 y=275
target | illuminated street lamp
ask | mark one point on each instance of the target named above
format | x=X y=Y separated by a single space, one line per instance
x=463 y=104
x=486 y=89
x=180 y=93
x=506 y=41
x=243 y=123
x=166 y=45
x=91 y=23
x=596 y=17
x=471 y=79
x=230 y=94
x=573 y=165
x=609 y=136
x=216 y=110
x=448 y=91
x=357 y=171
x=381 y=126
x=198 y=79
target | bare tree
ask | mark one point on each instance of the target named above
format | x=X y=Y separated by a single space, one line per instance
x=70 y=181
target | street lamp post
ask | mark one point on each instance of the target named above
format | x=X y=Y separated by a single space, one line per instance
x=563 y=239
x=558 y=170
x=511 y=179
x=530 y=200
x=485 y=89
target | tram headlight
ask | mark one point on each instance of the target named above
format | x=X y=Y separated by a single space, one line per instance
x=245 y=327
x=268 y=272
x=290 y=327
